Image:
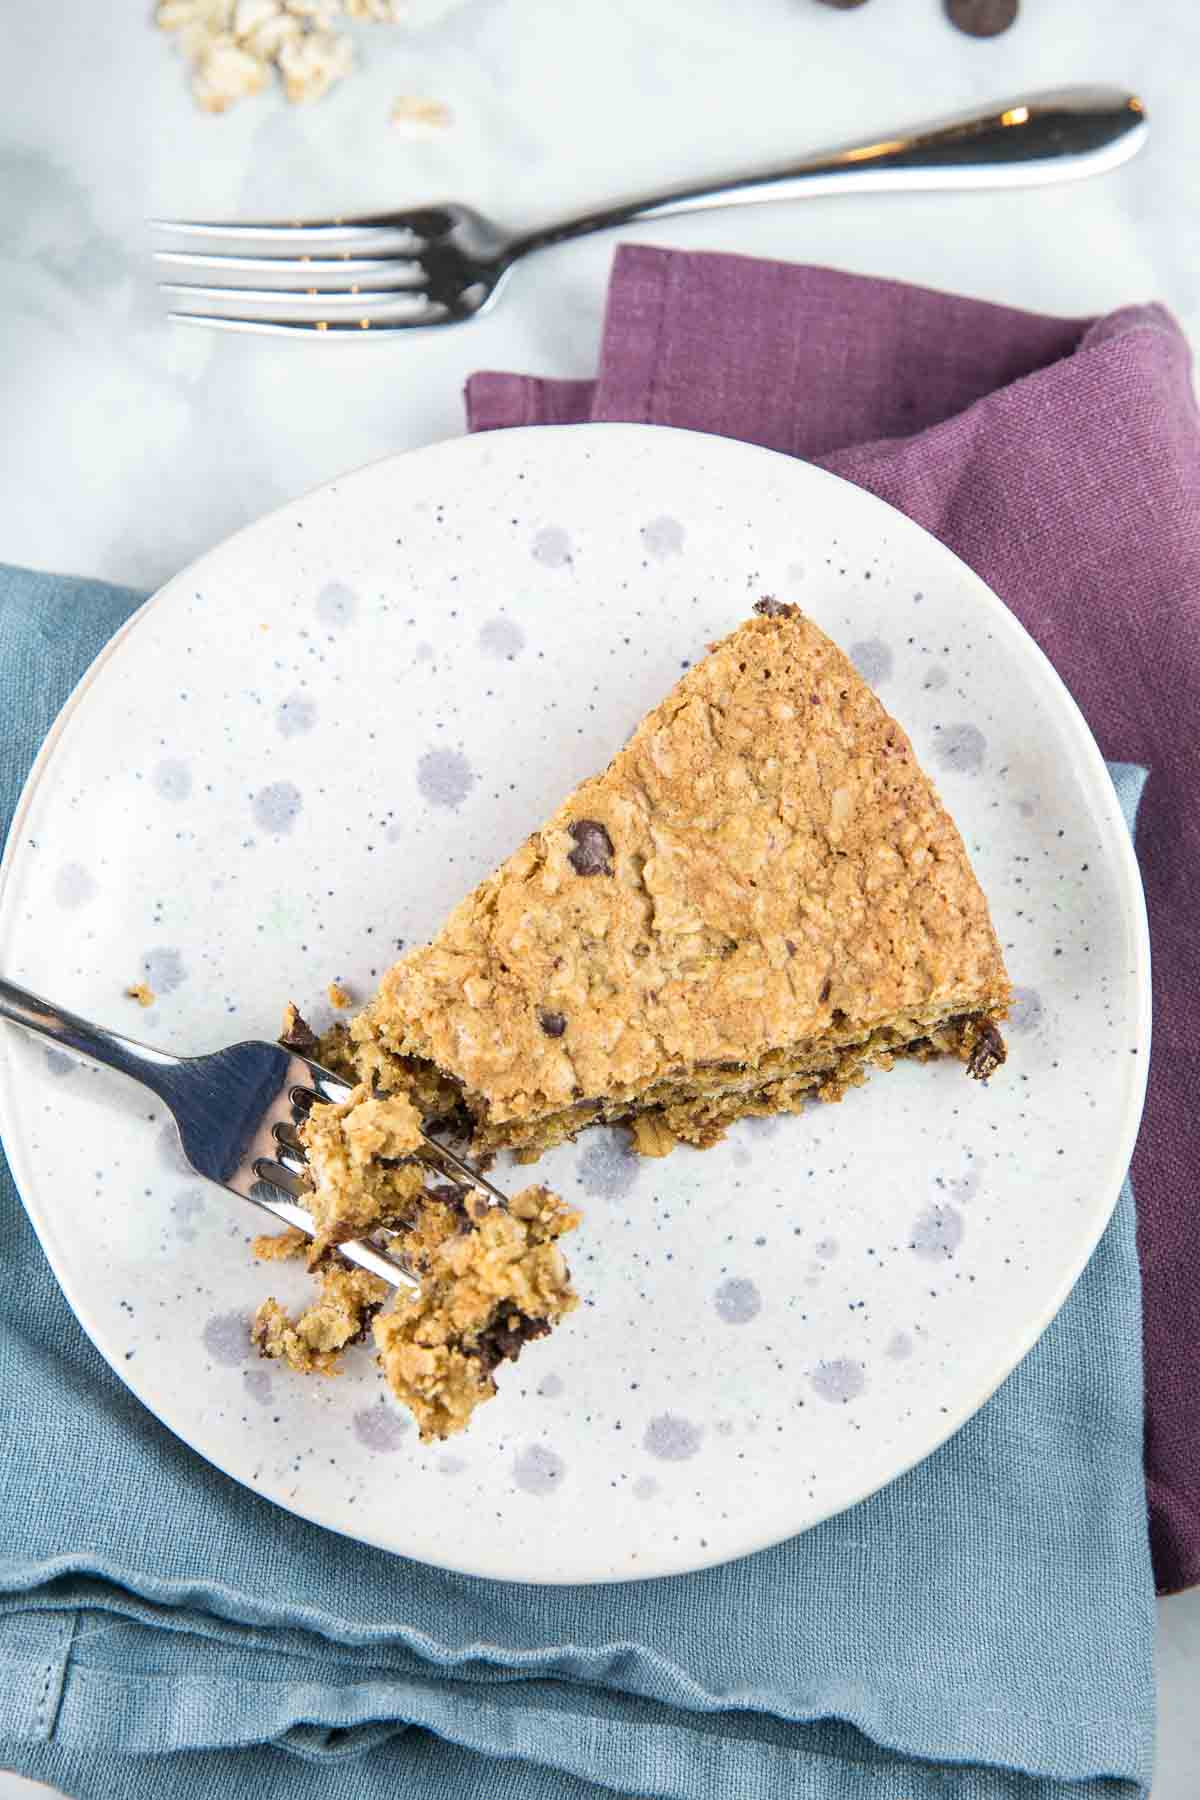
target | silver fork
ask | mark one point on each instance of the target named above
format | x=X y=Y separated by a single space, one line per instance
x=440 y=265
x=237 y=1111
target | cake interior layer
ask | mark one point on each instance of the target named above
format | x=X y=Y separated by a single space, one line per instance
x=696 y=1104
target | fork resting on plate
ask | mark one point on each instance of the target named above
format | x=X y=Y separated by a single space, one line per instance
x=440 y=265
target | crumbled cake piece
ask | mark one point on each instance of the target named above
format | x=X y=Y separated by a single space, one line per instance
x=340 y=1316
x=361 y=1155
x=142 y=992
x=485 y=1292
x=761 y=898
x=491 y=1279
x=281 y=1246
x=339 y=997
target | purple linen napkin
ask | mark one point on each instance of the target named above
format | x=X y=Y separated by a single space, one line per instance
x=1060 y=458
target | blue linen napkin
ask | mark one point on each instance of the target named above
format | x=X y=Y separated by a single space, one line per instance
x=981 y=1628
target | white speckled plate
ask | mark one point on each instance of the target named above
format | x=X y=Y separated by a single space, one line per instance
x=310 y=744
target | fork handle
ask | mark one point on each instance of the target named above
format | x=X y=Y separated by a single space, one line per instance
x=92 y=1042
x=1061 y=135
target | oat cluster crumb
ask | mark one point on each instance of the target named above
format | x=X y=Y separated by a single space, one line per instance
x=340 y=1316
x=234 y=48
x=142 y=992
x=415 y=114
x=759 y=900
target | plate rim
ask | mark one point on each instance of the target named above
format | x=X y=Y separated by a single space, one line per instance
x=1133 y=894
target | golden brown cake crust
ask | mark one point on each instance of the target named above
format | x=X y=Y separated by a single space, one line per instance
x=763 y=865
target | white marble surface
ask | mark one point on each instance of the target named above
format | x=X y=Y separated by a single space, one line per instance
x=131 y=447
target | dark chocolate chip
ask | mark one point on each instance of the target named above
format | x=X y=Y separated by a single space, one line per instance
x=789 y=946
x=982 y=18
x=843 y=5
x=552 y=1023
x=504 y=1338
x=364 y=1330
x=770 y=608
x=989 y=1052
x=299 y=1035
x=593 y=850
x=825 y=987
x=453 y=1197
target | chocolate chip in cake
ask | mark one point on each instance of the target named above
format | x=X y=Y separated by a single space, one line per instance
x=770 y=608
x=988 y=1053
x=364 y=1329
x=825 y=988
x=504 y=1339
x=593 y=850
x=552 y=1023
x=453 y=1197
x=982 y=18
x=298 y=1034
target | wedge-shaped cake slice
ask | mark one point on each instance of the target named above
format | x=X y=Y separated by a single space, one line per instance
x=761 y=897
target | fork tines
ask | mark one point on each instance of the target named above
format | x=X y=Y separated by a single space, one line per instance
x=342 y=278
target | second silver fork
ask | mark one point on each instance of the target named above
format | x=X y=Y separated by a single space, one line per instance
x=441 y=265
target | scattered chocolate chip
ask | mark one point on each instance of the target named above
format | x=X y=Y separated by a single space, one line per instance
x=298 y=1034
x=453 y=1197
x=982 y=18
x=504 y=1338
x=825 y=989
x=364 y=1330
x=989 y=1052
x=552 y=1023
x=593 y=850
